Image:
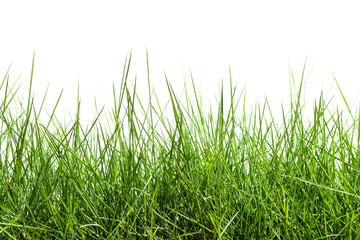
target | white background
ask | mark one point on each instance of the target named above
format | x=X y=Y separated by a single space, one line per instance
x=88 y=42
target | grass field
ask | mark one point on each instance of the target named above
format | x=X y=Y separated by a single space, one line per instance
x=226 y=174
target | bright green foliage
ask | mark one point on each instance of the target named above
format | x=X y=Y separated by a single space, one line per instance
x=223 y=176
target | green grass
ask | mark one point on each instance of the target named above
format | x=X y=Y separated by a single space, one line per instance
x=222 y=175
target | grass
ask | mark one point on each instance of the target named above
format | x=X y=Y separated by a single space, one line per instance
x=225 y=175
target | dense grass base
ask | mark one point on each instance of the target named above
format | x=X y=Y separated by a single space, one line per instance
x=218 y=177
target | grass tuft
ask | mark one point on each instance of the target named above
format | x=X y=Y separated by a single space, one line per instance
x=225 y=175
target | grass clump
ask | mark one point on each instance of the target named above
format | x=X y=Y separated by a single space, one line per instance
x=226 y=175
